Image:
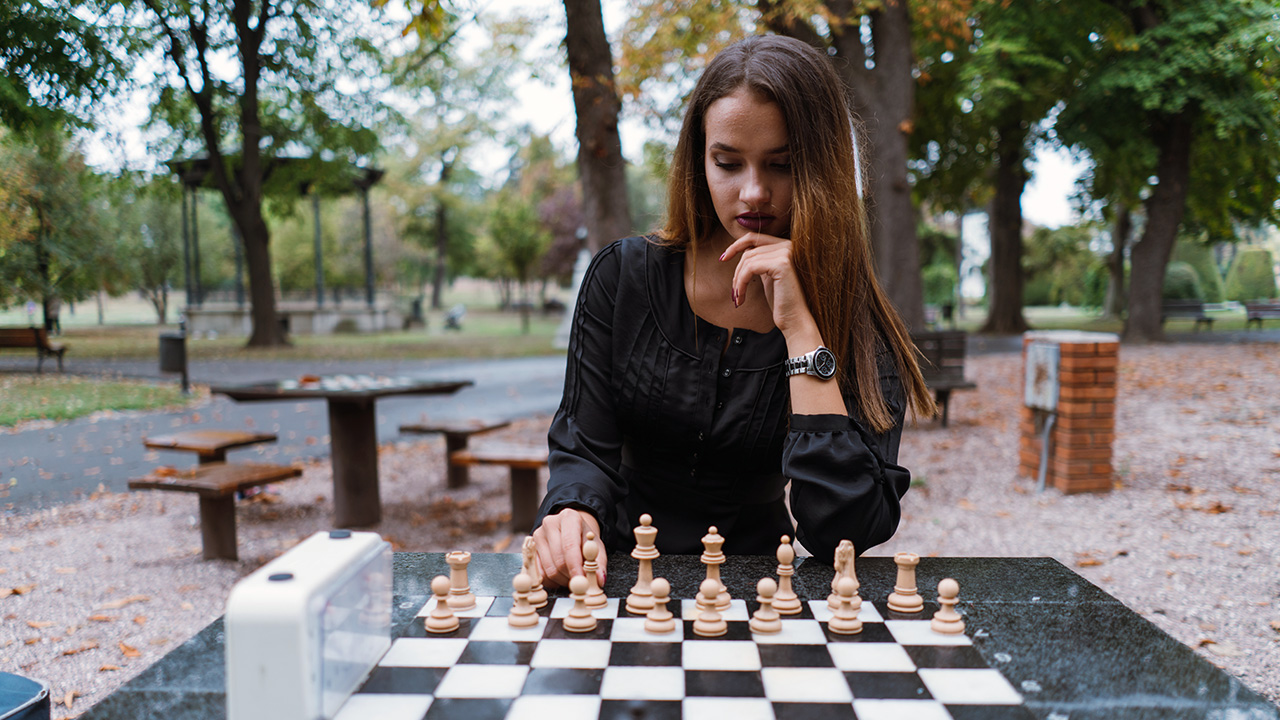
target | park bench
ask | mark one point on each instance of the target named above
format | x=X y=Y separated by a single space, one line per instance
x=32 y=337
x=456 y=436
x=216 y=484
x=942 y=353
x=209 y=445
x=524 y=462
x=1193 y=309
x=1256 y=312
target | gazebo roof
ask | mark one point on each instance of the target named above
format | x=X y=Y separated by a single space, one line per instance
x=334 y=177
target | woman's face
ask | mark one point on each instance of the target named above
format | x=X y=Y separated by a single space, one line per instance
x=748 y=165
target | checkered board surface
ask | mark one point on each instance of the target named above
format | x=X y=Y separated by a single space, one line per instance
x=892 y=670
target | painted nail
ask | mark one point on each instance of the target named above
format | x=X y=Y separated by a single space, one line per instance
x=726 y=252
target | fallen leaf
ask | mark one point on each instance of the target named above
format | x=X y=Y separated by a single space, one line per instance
x=69 y=697
x=966 y=505
x=1241 y=490
x=1088 y=562
x=64 y=570
x=1222 y=544
x=108 y=668
x=1247 y=551
x=129 y=651
x=117 y=604
x=87 y=645
x=1226 y=648
x=188 y=606
x=102 y=618
x=1217 y=508
x=1275 y=625
x=140 y=620
x=40 y=624
x=1183 y=556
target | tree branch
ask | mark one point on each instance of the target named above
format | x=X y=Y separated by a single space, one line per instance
x=777 y=21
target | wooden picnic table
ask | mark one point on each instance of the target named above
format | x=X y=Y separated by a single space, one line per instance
x=352 y=429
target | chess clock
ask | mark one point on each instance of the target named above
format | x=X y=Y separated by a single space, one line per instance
x=304 y=630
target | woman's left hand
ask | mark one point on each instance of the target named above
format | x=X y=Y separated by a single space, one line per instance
x=769 y=258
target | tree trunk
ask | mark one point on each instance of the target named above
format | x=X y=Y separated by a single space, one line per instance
x=893 y=224
x=1004 y=316
x=1113 y=305
x=601 y=167
x=1165 y=208
x=442 y=237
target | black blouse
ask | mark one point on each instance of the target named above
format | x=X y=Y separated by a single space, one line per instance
x=661 y=416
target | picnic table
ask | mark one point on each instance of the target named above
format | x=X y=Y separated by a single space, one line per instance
x=352 y=429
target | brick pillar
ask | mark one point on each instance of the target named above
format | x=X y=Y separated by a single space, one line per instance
x=1080 y=443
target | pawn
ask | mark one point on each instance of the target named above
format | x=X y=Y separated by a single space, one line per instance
x=947 y=620
x=596 y=598
x=441 y=619
x=710 y=622
x=766 y=620
x=523 y=615
x=660 y=620
x=844 y=620
x=579 y=618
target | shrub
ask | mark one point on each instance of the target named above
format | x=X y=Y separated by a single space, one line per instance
x=1037 y=290
x=1181 y=282
x=939 y=284
x=1200 y=257
x=1252 y=275
x=1096 y=279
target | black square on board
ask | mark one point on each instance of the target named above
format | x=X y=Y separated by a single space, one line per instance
x=501 y=607
x=795 y=656
x=887 y=685
x=403 y=680
x=497 y=652
x=640 y=710
x=945 y=656
x=469 y=709
x=806 y=612
x=627 y=653
x=417 y=629
x=871 y=632
x=722 y=683
x=813 y=711
x=990 y=712
x=563 y=681
x=737 y=630
x=556 y=631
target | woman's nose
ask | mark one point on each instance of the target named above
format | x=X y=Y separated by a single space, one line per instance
x=754 y=190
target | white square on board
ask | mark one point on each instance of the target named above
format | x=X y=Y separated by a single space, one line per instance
x=384 y=707
x=823 y=612
x=805 y=684
x=899 y=709
x=562 y=607
x=718 y=708
x=482 y=606
x=643 y=683
x=969 y=686
x=737 y=610
x=561 y=707
x=497 y=628
x=720 y=655
x=632 y=630
x=870 y=657
x=424 y=652
x=919 y=632
x=583 y=654
x=794 y=632
x=482 y=681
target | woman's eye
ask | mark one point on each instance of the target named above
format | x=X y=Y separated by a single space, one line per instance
x=782 y=166
x=726 y=165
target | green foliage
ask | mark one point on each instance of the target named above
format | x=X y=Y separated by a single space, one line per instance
x=1252 y=275
x=1181 y=282
x=1095 y=283
x=1200 y=256
x=937 y=246
x=939 y=280
x=1055 y=264
x=517 y=235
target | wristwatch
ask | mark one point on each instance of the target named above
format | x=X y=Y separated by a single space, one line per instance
x=820 y=363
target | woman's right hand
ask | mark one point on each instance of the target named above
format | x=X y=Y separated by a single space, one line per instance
x=559 y=544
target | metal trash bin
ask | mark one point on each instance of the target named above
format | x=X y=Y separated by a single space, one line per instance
x=23 y=698
x=173 y=356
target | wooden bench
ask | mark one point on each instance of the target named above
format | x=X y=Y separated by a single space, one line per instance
x=525 y=462
x=942 y=364
x=456 y=436
x=1256 y=312
x=210 y=445
x=216 y=484
x=33 y=337
x=1193 y=309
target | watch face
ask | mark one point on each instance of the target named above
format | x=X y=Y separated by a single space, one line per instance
x=824 y=363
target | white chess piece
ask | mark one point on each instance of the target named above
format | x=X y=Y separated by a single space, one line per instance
x=766 y=620
x=441 y=619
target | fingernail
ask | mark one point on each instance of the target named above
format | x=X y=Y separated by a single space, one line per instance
x=726 y=252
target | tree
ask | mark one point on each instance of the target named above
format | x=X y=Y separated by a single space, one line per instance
x=151 y=240
x=601 y=167
x=1194 y=85
x=298 y=62
x=521 y=241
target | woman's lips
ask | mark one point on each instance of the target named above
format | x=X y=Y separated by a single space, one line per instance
x=753 y=221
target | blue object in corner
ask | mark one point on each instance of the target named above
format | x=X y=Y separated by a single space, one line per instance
x=23 y=698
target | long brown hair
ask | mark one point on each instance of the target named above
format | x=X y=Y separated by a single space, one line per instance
x=831 y=250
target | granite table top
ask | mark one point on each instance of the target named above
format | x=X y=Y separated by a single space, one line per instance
x=1072 y=650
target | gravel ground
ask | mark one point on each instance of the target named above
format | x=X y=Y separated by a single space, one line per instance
x=94 y=592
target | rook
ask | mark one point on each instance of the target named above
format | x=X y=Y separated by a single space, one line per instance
x=905 y=598
x=460 y=597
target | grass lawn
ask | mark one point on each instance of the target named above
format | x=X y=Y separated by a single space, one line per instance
x=64 y=397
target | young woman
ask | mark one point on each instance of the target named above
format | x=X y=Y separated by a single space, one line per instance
x=745 y=346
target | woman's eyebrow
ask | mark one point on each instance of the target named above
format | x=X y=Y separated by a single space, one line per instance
x=729 y=148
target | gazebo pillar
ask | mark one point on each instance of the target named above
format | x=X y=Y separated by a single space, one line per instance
x=315 y=214
x=195 y=247
x=186 y=248
x=368 y=247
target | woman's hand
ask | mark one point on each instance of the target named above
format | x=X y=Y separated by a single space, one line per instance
x=559 y=544
x=769 y=258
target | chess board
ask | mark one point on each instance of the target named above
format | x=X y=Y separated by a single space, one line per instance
x=894 y=669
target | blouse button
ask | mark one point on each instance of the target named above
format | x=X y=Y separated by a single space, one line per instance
x=737 y=340
x=700 y=437
x=727 y=372
x=719 y=406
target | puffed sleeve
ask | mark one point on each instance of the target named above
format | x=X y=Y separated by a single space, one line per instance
x=845 y=481
x=585 y=442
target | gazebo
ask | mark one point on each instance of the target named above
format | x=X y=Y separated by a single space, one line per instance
x=311 y=177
